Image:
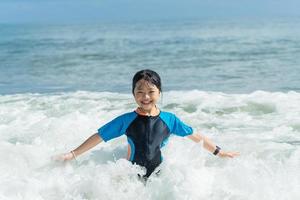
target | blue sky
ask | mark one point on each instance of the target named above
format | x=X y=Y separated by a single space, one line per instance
x=64 y=11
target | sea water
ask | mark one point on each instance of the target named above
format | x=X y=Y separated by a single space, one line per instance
x=231 y=56
x=235 y=82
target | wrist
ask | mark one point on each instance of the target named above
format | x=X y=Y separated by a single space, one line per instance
x=217 y=150
x=221 y=154
x=73 y=155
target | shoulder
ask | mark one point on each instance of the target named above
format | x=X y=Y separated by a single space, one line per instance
x=117 y=126
x=167 y=115
x=175 y=125
x=129 y=116
x=168 y=118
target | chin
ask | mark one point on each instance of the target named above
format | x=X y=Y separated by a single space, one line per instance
x=147 y=107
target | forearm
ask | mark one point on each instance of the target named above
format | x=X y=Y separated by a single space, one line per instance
x=210 y=146
x=207 y=143
x=88 y=144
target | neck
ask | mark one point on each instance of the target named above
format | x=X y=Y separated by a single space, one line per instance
x=153 y=112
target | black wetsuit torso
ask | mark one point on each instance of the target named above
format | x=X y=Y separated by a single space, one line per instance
x=147 y=134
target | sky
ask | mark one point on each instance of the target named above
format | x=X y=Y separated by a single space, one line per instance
x=72 y=11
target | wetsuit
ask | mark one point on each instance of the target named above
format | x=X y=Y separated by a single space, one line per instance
x=145 y=135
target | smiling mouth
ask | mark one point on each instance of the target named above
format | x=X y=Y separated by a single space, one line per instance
x=146 y=103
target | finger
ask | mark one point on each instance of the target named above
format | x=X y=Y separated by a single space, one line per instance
x=236 y=153
x=58 y=158
x=233 y=154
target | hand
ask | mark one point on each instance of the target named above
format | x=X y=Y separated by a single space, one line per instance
x=224 y=154
x=64 y=157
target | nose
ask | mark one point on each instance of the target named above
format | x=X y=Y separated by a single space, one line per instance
x=146 y=96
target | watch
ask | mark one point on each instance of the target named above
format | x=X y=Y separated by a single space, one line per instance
x=217 y=150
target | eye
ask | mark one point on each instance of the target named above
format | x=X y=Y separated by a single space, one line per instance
x=139 y=92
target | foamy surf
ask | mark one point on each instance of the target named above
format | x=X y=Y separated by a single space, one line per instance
x=263 y=126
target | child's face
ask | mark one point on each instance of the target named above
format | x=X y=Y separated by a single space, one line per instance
x=146 y=95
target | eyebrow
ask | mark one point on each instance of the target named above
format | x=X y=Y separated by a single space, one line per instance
x=150 y=89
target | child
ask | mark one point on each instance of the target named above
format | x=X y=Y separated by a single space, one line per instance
x=147 y=128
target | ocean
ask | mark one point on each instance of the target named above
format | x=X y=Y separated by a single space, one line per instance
x=235 y=81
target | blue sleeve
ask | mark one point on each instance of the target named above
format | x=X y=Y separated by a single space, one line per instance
x=175 y=125
x=116 y=127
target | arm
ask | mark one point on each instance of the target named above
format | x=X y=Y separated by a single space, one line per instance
x=210 y=146
x=85 y=146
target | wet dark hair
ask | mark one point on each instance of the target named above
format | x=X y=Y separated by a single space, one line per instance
x=147 y=75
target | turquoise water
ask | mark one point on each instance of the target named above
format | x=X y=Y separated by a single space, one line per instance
x=228 y=56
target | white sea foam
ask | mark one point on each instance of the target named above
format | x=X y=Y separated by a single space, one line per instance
x=263 y=126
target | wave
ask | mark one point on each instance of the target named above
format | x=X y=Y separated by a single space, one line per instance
x=263 y=126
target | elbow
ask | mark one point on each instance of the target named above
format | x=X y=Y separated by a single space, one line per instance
x=196 y=138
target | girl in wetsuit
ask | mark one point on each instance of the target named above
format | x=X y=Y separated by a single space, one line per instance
x=147 y=128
